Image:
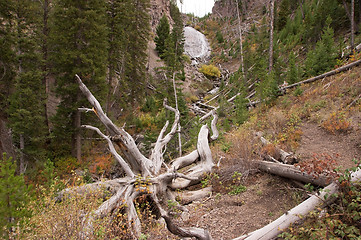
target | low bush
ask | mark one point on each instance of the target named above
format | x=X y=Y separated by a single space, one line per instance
x=210 y=71
x=337 y=122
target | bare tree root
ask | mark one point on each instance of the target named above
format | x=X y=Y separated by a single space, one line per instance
x=148 y=176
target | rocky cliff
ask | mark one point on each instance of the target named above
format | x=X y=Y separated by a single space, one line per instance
x=227 y=8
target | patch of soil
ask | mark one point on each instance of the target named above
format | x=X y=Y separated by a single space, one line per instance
x=226 y=217
x=316 y=140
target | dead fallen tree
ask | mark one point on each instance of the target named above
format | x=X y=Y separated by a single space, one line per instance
x=322 y=76
x=295 y=214
x=292 y=172
x=284 y=156
x=149 y=176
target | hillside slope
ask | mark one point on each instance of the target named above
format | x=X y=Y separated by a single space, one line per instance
x=313 y=121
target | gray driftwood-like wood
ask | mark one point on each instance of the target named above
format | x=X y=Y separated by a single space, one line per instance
x=162 y=179
x=292 y=172
x=285 y=157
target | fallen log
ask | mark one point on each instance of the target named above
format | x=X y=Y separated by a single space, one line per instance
x=292 y=172
x=327 y=74
x=284 y=156
x=295 y=214
x=187 y=197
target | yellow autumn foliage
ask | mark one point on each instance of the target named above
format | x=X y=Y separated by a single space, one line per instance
x=210 y=71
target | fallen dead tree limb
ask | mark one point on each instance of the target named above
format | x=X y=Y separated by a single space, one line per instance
x=284 y=156
x=187 y=197
x=216 y=108
x=327 y=74
x=292 y=172
x=295 y=214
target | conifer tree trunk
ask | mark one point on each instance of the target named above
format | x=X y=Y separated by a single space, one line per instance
x=301 y=6
x=240 y=41
x=46 y=10
x=21 y=158
x=270 y=65
x=359 y=14
x=352 y=24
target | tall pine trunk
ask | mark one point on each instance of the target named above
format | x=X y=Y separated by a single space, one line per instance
x=46 y=6
x=352 y=24
x=270 y=65
x=22 y=158
x=240 y=41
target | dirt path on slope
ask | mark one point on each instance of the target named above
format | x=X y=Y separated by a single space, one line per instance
x=316 y=140
x=226 y=217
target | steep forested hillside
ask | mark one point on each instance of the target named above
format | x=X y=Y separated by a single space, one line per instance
x=88 y=88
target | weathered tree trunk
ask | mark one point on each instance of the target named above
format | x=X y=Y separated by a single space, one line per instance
x=270 y=64
x=292 y=172
x=162 y=179
x=179 y=126
x=350 y=15
x=352 y=25
x=76 y=150
x=284 y=156
x=271 y=230
x=22 y=157
x=240 y=41
x=46 y=10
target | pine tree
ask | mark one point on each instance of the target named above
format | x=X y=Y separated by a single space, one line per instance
x=292 y=73
x=14 y=195
x=162 y=32
x=7 y=54
x=283 y=14
x=268 y=88
x=137 y=31
x=78 y=46
x=26 y=100
x=117 y=18
x=323 y=57
x=177 y=32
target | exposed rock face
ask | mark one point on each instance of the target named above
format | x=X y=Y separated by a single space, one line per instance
x=227 y=8
x=196 y=45
x=224 y=8
x=158 y=8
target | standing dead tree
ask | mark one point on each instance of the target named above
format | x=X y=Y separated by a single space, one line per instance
x=159 y=179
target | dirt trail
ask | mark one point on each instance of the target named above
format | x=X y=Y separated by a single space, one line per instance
x=227 y=217
x=315 y=140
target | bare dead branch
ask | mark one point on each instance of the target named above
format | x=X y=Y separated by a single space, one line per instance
x=117 y=157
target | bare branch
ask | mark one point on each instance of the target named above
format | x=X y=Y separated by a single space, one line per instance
x=214 y=125
x=198 y=233
x=86 y=110
x=120 y=160
x=184 y=161
x=157 y=154
x=135 y=158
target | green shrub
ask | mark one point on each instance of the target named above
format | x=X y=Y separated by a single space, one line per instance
x=210 y=71
x=219 y=37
